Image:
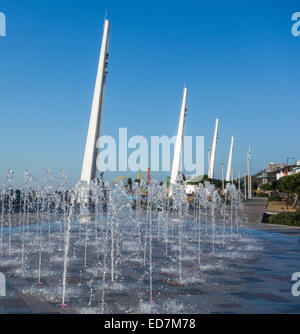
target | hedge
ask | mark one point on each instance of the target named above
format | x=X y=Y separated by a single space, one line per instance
x=285 y=218
x=274 y=197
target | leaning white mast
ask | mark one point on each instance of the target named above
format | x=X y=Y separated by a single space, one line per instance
x=249 y=155
x=179 y=140
x=89 y=168
x=230 y=160
x=213 y=152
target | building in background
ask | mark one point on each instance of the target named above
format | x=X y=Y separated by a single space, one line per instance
x=288 y=170
x=276 y=167
x=265 y=176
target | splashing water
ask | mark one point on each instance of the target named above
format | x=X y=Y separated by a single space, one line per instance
x=117 y=246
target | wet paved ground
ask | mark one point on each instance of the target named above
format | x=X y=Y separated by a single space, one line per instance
x=242 y=283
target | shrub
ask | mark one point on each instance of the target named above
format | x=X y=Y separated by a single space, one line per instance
x=262 y=195
x=286 y=218
x=274 y=197
x=265 y=187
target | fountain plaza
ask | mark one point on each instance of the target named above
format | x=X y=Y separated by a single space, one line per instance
x=97 y=249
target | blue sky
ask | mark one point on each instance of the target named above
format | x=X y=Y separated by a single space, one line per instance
x=238 y=59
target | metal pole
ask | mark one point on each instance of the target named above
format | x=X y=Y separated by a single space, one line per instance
x=245 y=186
x=223 y=185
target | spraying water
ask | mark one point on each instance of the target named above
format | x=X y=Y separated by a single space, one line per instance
x=82 y=236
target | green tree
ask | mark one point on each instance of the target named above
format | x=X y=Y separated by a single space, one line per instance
x=291 y=185
x=274 y=185
x=265 y=187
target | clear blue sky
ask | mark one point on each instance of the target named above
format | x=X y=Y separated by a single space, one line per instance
x=238 y=59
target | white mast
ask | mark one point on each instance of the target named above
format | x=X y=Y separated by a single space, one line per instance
x=245 y=186
x=179 y=140
x=249 y=155
x=213 y=153
x=89 y=168
x=223 y=183
x=230 y=160
x=209 y=151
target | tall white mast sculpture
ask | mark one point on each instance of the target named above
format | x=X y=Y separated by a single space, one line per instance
x=249 y=156
x=213 y=152
x=179 y=140
x=89 y=168
x=230 y=160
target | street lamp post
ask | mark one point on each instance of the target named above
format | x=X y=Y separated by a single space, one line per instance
x=287 y=160
x=223 y=186
x=287 y=164
x=245 y=186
